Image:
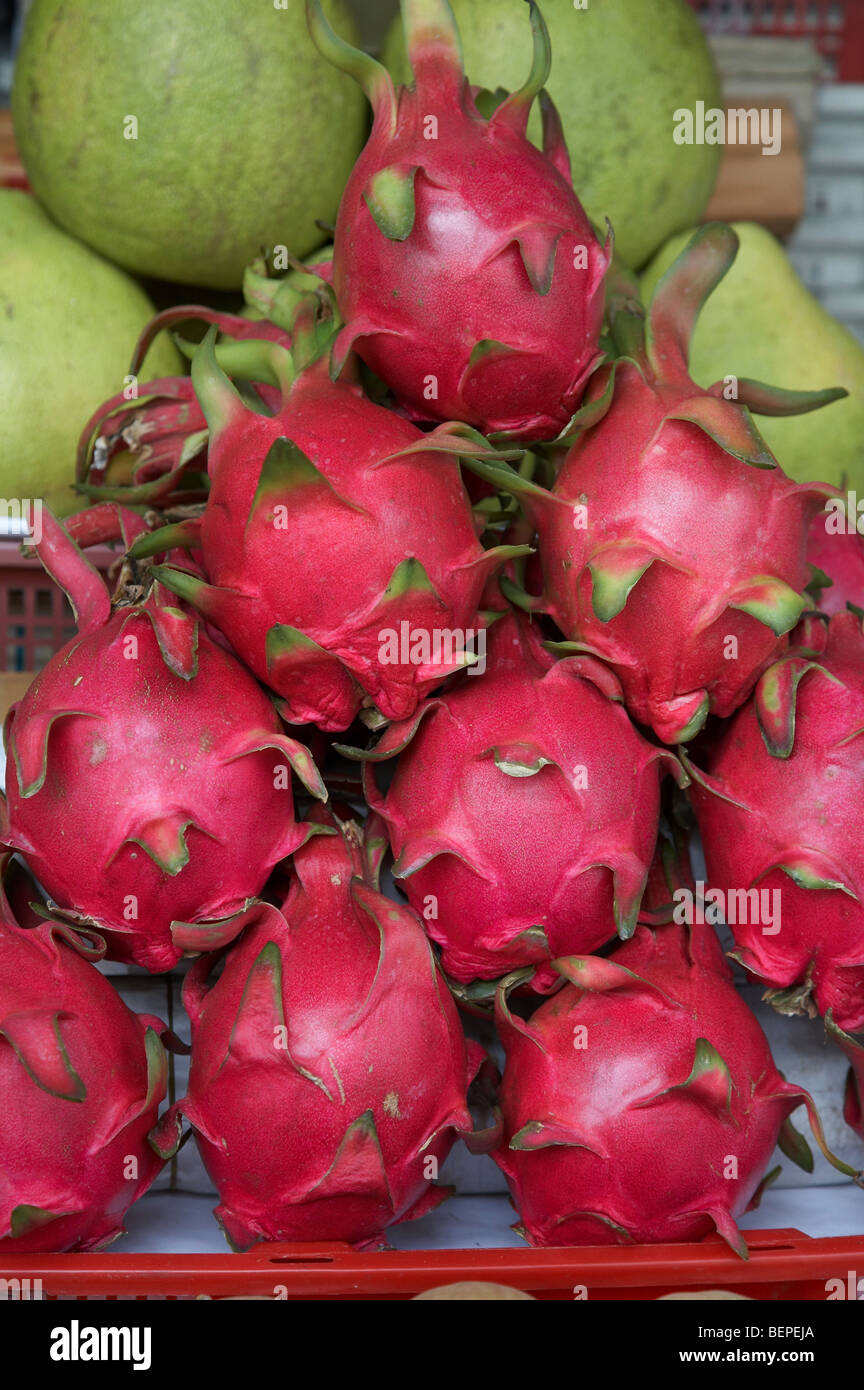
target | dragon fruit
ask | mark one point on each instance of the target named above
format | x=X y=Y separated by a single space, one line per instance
x=81 y=1079
x=340 y=546
x=465 y=268
x=329 y=1069
x=161 y=428
x=523 y=811
x=853 y=1109
x=779 y=811
x=673 y=546
x=838 y=554
x=150 y=779
x=641 y=1102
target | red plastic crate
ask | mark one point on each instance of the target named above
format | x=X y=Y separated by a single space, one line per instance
x=783 y=1265
x=835 y=26
x=35 y=617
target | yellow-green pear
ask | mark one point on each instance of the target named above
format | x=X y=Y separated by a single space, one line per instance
x=178 y=138
x=762 y=322
x=68 y=323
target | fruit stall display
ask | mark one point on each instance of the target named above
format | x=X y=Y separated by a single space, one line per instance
x=438 y=603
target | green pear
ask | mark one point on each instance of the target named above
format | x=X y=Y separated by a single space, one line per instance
x=178 y=138
x=620 y=70
x=68 y=324
x=762 y=322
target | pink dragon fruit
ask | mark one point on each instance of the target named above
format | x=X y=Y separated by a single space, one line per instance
x=853 y=1109
x=465 y=268
x=779 y=811
x=329 y=1069
x=838 y=554
x=641 y=1102
x=150 y=779
x=81 y=1079
x=162 y=428
x=672 y=544
x=341 y=547
x=523 y=811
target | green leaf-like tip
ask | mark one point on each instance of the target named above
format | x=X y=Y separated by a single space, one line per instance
x=795 y=1146
x=180 y=535
x=180 y=582
x=776 y=702
x=164 y=840
x=285 y=641
x=774 y=400
x=284 y=467
x=390 y=199
x=26 y=1219
x=709 y=1067
x=506 y=761
x=217 y=396
x=770 y=601
x=626 y=917
x=804 y=875
x=409 y=577
x=371 y=75
x=514 y=110
x=696 y=721
x=611 y=585
x=489 y=349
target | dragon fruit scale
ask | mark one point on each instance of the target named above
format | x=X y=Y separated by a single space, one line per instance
x=339 y=542
x=467 y=273
x=779 y=808
x=81 y=1079
x=672 y=545
x=329 y=1069
x=523 y=810
x=149 y=783
x=641 y=1102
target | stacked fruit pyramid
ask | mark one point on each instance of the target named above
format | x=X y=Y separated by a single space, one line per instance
x=439 y=555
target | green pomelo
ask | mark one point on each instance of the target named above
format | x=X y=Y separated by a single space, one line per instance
x=245 y=134
x=68 y=324
x=762 y=322
x=619 y=73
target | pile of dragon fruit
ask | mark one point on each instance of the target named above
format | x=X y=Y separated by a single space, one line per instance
x=439 y=564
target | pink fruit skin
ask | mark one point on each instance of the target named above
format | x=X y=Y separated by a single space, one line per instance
x=329 y=1069
x=646 y=477
x=318 y=547
x=149 y=782
x=489 y=309
x=81 y=1079
x=841 y=556
x=611 y=1135
x=524 y=866
x=797 y=825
